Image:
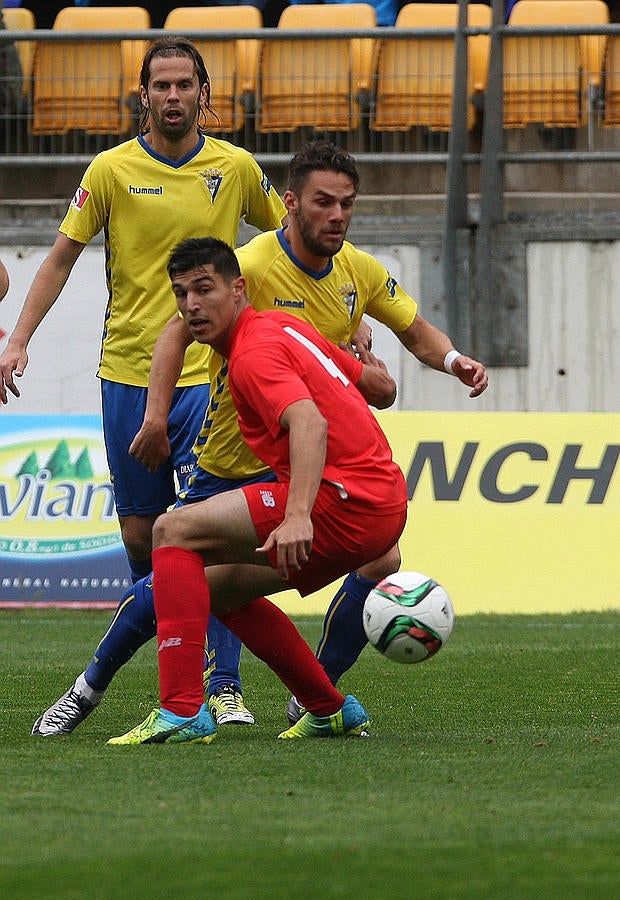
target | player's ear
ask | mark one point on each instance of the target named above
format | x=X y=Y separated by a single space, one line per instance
x=239 y=285
x=290 y=201
x=144 y=97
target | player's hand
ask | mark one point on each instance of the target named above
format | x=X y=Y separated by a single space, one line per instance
x=12 y=365
x=472 y=373
x=150 y=446
x=369 y=359
x=292 y=540
x=362 y=339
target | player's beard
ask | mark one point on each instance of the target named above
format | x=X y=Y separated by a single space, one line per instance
x=312 y=238
x=179 y=128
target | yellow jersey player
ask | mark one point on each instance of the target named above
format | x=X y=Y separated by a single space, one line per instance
x=166 y=184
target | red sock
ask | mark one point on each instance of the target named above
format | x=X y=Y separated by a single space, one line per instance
x=270 y=635
x=182 y=603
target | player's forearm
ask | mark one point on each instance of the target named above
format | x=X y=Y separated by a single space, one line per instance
x=427 y=343
x=307 y=448
x=44 y=291
x=375 y=384
x=166 y=368
x=49 y=281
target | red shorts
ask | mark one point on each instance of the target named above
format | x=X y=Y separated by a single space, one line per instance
x=347 y=534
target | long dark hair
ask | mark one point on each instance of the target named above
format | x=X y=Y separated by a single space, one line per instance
x=176 y=46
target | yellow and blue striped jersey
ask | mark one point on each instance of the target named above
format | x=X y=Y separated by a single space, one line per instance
x=334 y=301
x=145 y=205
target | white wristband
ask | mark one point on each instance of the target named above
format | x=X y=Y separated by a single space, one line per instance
x=449 y=358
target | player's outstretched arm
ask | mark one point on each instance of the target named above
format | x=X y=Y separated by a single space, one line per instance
x=44 y=291
x=431 y=346
x=150 y=446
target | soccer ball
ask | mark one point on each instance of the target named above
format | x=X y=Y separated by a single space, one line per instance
x=408 y=617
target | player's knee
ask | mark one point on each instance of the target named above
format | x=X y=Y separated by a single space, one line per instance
x=163 y=531
x=381 y=568
x=174 y=529
x=137 y=536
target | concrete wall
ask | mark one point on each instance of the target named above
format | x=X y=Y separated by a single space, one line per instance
x=573 y=324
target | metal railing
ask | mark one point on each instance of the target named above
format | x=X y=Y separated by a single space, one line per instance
x=411 y=129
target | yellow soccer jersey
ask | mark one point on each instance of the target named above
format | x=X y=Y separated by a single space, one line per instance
x=146 y=204
x=334 y=301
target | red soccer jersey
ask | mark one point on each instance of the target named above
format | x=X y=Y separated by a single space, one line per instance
x=276 y=360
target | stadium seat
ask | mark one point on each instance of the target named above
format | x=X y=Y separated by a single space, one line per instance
x=232 y=65
x=550 y=79
x=18 y=18
x=415 y=75
x=611 y=115
x=316 y=82
x=88 y=85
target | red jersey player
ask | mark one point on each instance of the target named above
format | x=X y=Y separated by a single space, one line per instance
x=339 y=501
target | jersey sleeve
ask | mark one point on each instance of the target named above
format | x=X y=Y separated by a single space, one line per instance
x=387 y=302
x=89 y=209
x=264 y=209
x=348 y=364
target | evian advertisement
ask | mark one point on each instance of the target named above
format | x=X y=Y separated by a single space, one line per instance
x=59 y=535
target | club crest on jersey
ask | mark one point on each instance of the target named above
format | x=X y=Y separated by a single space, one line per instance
x=213 y=180
x=349 y=295
x=265 y=184
x=79 y=198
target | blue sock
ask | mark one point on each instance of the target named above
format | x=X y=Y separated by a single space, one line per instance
x=139 y=568
x=343 y=637
x=225 y=653
x=133 y=624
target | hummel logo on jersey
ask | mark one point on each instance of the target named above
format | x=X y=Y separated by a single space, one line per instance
x=268 y=499
x=213 y=180
x=289 y=304
x=79 y=198
x=156 y=191
x=170 y=642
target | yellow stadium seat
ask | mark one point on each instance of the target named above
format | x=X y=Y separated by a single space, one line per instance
x=88 y=84
x=415 y=75
x=232 y=65
x=611 y=116
x=316 y=82
x=548 y=79
x=18 y=18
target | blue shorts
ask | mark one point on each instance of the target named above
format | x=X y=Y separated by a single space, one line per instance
x=201 y=485
x=137 y=491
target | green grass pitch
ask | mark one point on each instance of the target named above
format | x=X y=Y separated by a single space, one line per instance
x=491 y=772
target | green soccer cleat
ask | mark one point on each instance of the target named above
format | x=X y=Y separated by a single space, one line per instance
x=350 y=720
x=164 y=727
